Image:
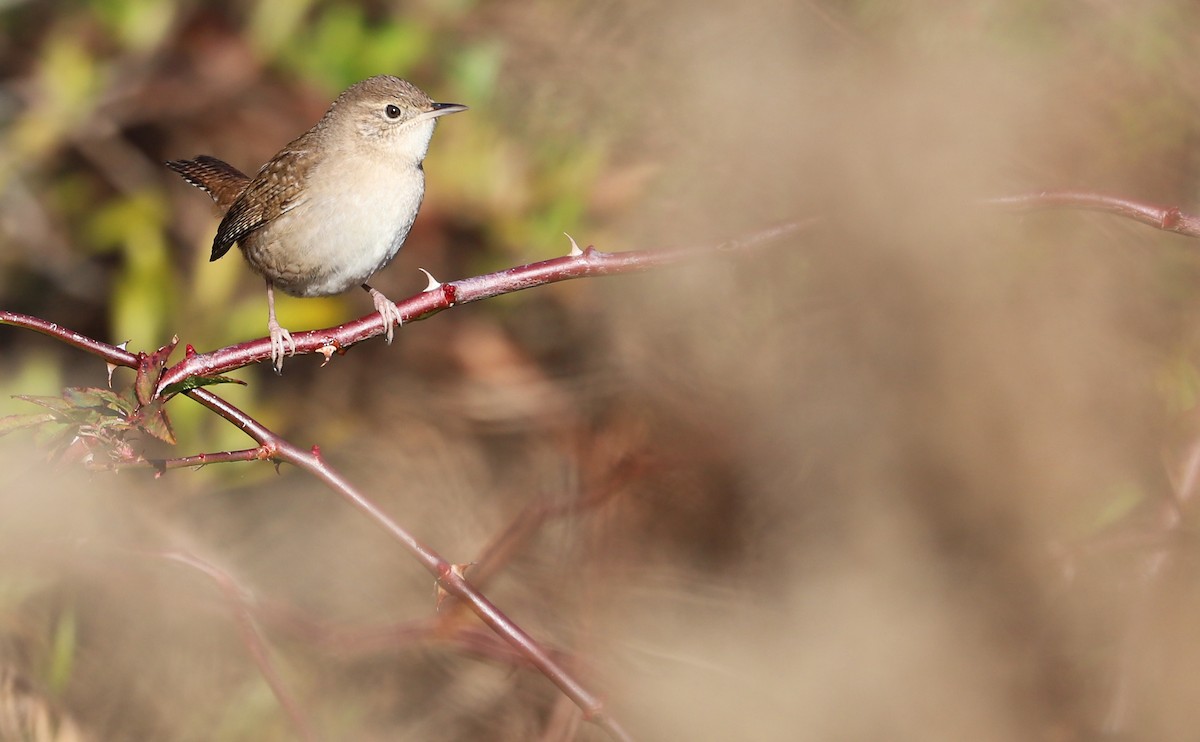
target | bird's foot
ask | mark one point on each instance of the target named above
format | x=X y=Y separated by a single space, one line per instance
x=387 y=308
x=281 y=340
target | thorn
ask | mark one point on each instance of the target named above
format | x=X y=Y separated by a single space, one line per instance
x=434 y=285
x=327 y=350
x=316 y=452
x=575 y=251
x=112 y=366
x=459 y=571
x=188 y=351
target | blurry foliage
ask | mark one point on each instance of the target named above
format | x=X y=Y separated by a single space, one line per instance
x=143 y=294
x=1179 y=384
x=138 y=25
x=342 y=47
x=62 y=653
x=69 y=82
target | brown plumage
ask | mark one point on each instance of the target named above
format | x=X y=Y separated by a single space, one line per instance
x=334 y=205
x=217 y=178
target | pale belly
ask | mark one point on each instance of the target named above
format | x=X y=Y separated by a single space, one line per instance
x=336 y=239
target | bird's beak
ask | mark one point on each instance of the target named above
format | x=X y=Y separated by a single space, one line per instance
x=441 y=109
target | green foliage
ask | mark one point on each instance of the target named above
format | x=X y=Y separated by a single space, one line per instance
x=70 y=82
x=251 y=714
x=38 y=373
x=341 y=47
x=144 y=290
x=474 y=71
x=274 y=23
x=1179 y=385
x=98 y=419
x=196 y=382
x=1119 y=503
x=99 y=422
x=139 y=25
x=63 y=648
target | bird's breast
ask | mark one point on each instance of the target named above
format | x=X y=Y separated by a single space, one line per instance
x=350 y=222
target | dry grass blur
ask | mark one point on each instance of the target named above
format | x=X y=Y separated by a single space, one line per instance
x=863 y=452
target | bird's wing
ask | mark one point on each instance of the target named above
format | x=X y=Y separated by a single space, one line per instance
x=277 y=188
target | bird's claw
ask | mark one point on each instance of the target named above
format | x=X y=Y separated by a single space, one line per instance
x=281 y=340
x=390 y=313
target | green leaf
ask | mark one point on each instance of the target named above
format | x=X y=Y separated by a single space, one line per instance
x=17 y=422
x=54 y=437
x=58 y=404
x=154 y=421
x=195 y=382
x=97 y=397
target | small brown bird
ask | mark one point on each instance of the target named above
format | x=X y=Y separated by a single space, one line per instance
x=334 y=206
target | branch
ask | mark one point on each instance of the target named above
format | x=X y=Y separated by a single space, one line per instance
x=113 y=354
x=438 y=297
x=449 y=577
x=240 y=602
x=521 y=529
x=1166 y=218
x=260 y=453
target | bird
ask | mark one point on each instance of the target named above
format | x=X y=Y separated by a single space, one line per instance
x=333 y=207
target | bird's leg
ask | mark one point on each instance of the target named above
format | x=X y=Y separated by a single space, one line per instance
x=387 y=308
x=279 y=336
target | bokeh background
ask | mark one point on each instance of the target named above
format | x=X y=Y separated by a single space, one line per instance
x=916 y=473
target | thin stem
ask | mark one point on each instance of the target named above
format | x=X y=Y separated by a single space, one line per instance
x=1167 y=218
x=439 y=297
x=240 y=599
x=447 y=576
x=111 y=353
x=259 y=453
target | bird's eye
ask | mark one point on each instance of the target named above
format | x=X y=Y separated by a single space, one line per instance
x=392 y=111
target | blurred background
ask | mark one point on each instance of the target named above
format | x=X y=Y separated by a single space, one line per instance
x=917 y=473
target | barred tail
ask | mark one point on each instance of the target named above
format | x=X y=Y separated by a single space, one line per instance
x=217 y=178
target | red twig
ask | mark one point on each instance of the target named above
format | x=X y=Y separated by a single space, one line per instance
x=447 y=576
x=497 y=553
x=111 y=353
x=1159 y=540
x=260 y=453
x=588 y=263
x=363 y=640
x=240 y=600
x=1167 y=218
